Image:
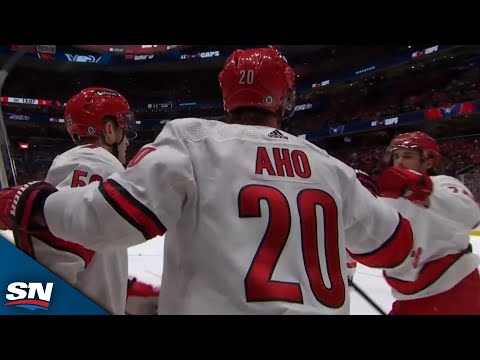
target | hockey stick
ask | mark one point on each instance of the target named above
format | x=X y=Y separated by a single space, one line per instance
x=6 y=157
x=4 y=141
x=367 y=298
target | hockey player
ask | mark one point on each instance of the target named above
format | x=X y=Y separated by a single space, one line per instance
x=97 y=120
x=441 y=277
x=370 y=184
x=256 y=219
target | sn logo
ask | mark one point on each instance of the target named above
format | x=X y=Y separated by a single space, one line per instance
x=30 y=296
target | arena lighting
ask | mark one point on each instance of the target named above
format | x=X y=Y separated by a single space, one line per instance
x=131 y=49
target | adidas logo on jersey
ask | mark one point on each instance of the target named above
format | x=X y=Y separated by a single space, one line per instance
x=277 y=135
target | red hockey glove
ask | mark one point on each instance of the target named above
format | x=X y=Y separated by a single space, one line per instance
x=399 y=182
x=21 y=207
x=367 y=181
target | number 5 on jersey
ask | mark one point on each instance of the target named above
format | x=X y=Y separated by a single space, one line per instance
x=79 y=178
x=259 y=285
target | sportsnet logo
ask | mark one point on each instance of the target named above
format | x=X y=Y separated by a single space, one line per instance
x=37 y=297
x=277 y=135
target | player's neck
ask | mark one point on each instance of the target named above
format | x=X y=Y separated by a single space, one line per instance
x=255 y=118
x=105 y=146
x=273 y=122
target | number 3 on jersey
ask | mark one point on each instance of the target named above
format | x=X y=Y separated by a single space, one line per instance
x=258 y=283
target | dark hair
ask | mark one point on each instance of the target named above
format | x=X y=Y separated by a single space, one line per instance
x=250 y=116
x=436 y=170
x=84 y=140
x=92 y=139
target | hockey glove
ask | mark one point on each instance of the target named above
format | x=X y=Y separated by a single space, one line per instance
x=21 y=207
x=399 y=182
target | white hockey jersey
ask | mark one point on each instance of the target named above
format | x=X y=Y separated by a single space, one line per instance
x=101 y=276
x=258 y=220
x=442 y=256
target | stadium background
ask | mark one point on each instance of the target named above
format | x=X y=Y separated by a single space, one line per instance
x=351 y=100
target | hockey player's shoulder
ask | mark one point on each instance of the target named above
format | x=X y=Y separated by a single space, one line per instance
x=97 y=154
x=191 y=128
x=187 y=122
x=445 y=180
x=91 y=149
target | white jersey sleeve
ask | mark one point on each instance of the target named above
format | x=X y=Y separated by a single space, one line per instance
x=453 y=201
x=442 y=255
x=74 y=168
x=258 y=220
x=63 y=258
x=373 y=229
x=100 y=276
x=160 y=173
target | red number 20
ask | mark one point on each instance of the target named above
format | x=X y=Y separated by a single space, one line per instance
x=258 y=283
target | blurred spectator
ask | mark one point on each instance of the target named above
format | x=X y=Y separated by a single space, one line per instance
x=424 y=85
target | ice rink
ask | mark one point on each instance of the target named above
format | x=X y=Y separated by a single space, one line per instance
x=146 y=263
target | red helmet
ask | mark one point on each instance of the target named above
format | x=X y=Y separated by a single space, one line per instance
x=415 y=140
x=85 y=111
x=259 y=78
